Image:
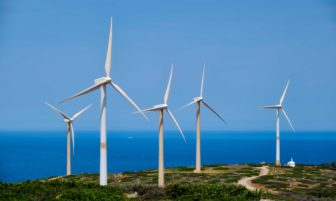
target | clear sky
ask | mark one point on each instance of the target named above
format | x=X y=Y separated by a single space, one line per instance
x=50 y=50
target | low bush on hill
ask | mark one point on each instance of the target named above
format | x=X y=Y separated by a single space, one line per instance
x=72 y=190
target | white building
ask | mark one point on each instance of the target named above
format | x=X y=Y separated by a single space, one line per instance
x=291 y=163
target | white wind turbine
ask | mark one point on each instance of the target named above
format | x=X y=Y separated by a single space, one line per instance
x=70 y=130
x=198 y=101
x=279 y=108
x=161 y=108
x=101 y=83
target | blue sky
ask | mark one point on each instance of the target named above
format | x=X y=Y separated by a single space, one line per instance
x=52 y=49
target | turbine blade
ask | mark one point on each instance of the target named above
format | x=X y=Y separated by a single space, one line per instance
x=176 y=124
x=109 y=53
x=58 y=111
x=72 y=139
x=192 y=102
x=202 y=83
x=94 y=87
x=80 y=112
x=212 y=110
x=146 y=110
x=117 y=88
x=269 y=107
x=166 y=96
x=290 y=123
x=284 y=93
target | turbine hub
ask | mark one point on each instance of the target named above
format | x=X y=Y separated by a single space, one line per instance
x=198 y=98
x=102 y=80
x=161 y=106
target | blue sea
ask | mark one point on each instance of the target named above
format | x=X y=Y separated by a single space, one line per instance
x=35 y=155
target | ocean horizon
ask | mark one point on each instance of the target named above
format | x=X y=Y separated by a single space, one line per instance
x=29 y=155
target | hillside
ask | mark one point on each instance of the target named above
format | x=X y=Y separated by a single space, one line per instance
x=216 y=182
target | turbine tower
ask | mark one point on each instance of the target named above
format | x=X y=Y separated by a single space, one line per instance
x=198 y=101
x=101 y=83
x=278 y=109
x=161 y=108
x=70 y=131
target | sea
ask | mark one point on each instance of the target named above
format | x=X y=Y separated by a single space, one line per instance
x=33 y=155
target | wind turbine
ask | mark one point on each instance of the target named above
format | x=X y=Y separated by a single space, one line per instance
x=70 y=130
x=161 y=108
x=278 y=108
x=198 y=101
x=101 y=83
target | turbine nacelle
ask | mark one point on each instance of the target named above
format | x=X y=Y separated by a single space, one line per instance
x=196 y=99
x=271 y=107
x=67 y=120
x=103 y=80
x=160 y=106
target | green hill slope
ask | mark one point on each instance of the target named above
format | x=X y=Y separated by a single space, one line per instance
x=216 y=182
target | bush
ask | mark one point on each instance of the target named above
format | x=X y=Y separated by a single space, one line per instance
x=331 y=165
x=323 y=192
x=210 y=192
x=72 y=190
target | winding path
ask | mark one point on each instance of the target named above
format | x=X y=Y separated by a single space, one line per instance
x=247 y=181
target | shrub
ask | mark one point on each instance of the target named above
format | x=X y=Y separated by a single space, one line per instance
x=210 y=192
x=60 y=190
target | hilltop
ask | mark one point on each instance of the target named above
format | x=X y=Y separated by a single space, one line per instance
x=216 y=182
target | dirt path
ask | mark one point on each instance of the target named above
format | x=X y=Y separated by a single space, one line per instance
x=247 y=181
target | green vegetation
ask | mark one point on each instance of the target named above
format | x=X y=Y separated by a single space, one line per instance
x=59 y=190
x=299 y=183
x=222 y=174
x=216 y=182
x=70 y=190
x=331 y=166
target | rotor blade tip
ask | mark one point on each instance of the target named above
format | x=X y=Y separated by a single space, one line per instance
x=185 y=141
x=145 y=117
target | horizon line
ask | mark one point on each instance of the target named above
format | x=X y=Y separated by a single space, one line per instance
x=90 y=130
